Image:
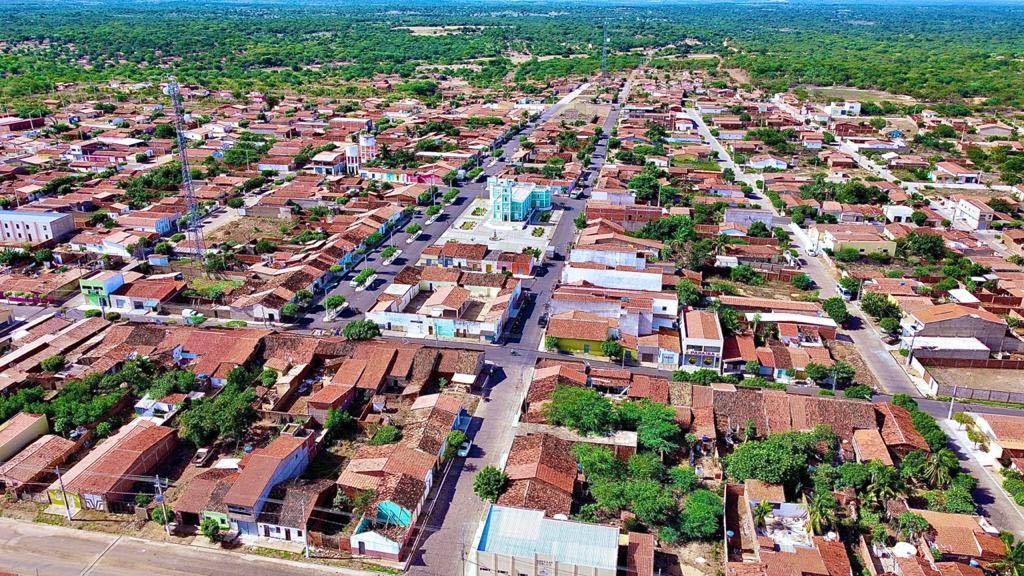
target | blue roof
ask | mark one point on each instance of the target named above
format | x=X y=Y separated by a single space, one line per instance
x=37 y=216
x=523 y=533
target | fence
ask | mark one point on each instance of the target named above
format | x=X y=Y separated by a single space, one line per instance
x=987 y=363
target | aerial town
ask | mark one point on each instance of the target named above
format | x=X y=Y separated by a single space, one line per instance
x=646 y=317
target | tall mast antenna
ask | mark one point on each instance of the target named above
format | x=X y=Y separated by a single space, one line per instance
x=195 y=228
x=604 y=51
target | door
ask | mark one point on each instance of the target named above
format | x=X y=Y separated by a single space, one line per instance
x=266 y=531
x=362 y=548
x=288 y=534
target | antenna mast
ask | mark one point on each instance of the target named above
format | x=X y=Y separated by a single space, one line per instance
x=195 y=229
x=604 y=51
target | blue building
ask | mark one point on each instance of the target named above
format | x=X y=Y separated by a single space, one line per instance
x=513 y=201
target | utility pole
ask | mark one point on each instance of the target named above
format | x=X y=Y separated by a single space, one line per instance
x=163 y=506
x=63 y=494
x=952 y=399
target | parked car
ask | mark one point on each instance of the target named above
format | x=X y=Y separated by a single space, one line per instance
x=464 y=449
x=202 y=457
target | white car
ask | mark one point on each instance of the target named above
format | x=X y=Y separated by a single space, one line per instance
x=464 y=449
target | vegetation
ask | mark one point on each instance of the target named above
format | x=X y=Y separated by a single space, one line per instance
x=490 y=483
x=361 y=330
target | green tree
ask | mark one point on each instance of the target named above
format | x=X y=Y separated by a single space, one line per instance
x=585 y=410
x=334 y=301
x=490 y=483
x=339 y=424
x=942 y=466
x=612 y=349
x=689 y=293
x=821 y=512
x=210 y=528
x=701 y=515
x=835 y=307
x=361 y=330
x=802 y=282
x=890 y=325
x=758 y=229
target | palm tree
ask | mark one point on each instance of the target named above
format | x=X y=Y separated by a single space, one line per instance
x=821 y=512
x=761 y=512
x=941 y=466
x=885 y=485
x=1013 y=563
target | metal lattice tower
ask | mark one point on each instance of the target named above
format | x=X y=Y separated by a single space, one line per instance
x=195 y=229
x=604 y=51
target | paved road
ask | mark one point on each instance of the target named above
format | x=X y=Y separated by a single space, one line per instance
x=992 y=502
x=43 y=550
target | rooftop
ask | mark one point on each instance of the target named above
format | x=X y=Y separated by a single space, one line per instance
x=525 y=533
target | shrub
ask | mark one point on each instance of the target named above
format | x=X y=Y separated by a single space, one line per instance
x=802 y=282
x=861 y=391
x=235 y=203
x=113 y=316
x=490 y=483
x=93 y=313
x=361 y=330
x=53 y=364
x=387 y=434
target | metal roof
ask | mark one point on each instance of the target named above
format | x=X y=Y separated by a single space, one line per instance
x=523 y=533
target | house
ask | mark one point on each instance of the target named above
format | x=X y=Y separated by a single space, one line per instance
x=953 y=173
x=864 y=238
x=956 y=321
x=23 y=227
x=868 y=446
x=974 y=213
x=661 y=349
x=581 y=332
x=290 y=506
x=19 y=431
x=327 y=163
x=701 y=340
x=435 y=301
x=526 y=543
x=779 y=544
x=284 y=458
x=145 y=295
x=104 y=478
x=767 y=162
x=203 y=498
x=100 y=287
x=995 y=129
x=32 y=467
x=542 y=474
x=1005 y=433
x=962 y=538
x=898 y=213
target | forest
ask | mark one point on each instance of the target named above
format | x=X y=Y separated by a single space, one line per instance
x=930 y=50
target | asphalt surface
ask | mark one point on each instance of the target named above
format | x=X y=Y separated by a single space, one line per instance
x=45 y=550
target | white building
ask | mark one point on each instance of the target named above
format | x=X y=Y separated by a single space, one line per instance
x=34 y=227
x=701 y=340
x=525 y=543
x=974 y=213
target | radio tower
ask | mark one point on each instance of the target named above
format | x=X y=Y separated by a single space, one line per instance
x=604 y=51
x=195 y=229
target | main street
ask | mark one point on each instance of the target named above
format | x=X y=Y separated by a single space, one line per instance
x=452 y=524
x=45 y=550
